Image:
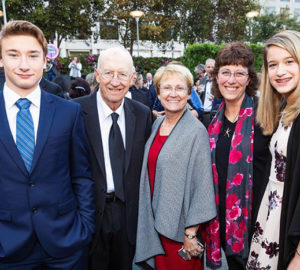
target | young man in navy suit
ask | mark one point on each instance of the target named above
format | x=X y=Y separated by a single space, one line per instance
x=46 y=189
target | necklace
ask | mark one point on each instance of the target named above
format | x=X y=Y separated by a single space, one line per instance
x=227 y=132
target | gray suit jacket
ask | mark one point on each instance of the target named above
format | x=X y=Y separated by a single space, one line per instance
x=183 y=192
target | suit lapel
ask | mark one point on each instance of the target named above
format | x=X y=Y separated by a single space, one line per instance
x=7 y=139
x=130 y=119
x=93 y=129
x=47 y=110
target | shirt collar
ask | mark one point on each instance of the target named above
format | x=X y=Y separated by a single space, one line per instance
x=11 y=97
x=106 y=110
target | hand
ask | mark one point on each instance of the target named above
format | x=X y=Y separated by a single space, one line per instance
x=295 y=263
x=191 y=247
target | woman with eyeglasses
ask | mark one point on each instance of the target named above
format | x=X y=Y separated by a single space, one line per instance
x=176 y=188
x=239 y=152
x=276 y=240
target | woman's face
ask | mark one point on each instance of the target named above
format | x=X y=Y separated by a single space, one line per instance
x=173 y=94
x=139 y=82
x=283 y=70
x=232 y=82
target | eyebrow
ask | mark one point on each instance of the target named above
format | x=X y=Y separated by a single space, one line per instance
x=288 y=57
x=14 y=50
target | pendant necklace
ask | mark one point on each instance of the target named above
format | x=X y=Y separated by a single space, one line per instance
x=228 y=130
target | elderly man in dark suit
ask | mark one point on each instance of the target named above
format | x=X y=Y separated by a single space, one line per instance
x=117 y=129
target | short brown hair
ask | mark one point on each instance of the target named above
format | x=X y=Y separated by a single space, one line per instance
x=18 y=28
x=236 y=53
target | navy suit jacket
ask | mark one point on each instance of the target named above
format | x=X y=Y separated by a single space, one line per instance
x=55 y=201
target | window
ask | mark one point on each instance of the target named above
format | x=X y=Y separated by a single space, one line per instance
x=297 y=14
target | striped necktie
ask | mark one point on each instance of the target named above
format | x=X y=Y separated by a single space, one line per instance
x=25 y=132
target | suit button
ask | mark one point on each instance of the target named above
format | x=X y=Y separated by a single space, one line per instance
x=31 y=184
x=34 y=210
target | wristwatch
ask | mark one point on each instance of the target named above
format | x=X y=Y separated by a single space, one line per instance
x=189 y=236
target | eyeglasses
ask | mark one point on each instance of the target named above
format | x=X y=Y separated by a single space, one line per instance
x=121 y=76
x=238 y=75
x=169 y=89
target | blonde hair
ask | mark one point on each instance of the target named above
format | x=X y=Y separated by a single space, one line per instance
x=173 y=69
x=270 y=101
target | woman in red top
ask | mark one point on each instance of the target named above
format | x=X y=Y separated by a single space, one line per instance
x=175 y=181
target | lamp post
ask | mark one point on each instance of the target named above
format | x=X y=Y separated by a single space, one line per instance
x=4 y=11
x=250 y=15
x=137 y=14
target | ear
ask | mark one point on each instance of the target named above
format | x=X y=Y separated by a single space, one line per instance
x=97 y=75
x=45 y=62
x=132 y=78
x=248 y=81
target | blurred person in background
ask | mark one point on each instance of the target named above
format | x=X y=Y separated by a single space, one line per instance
x=79 y=88
x=91 y=79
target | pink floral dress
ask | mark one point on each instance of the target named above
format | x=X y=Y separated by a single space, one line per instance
x=264 y=249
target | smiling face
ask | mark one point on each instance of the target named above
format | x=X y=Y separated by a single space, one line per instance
x=283 y=70
x=232 y=81
x=114 y=90
x=173 y=94
x=23 y=61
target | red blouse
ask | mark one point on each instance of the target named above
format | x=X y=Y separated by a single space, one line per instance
x=171 y=260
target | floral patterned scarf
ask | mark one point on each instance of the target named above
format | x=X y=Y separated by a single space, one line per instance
x=238 y=187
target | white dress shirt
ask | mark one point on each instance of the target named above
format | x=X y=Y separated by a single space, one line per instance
x=10 y=99
x=104 y=114
x=207 y=106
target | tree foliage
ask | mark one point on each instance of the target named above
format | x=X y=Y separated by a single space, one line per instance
x=231 y=21
x=267 y=25
x=59 y=19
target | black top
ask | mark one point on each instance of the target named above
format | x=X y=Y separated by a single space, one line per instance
x=260 y=157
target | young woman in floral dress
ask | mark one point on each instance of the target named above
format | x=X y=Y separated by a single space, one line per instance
x=275 y=243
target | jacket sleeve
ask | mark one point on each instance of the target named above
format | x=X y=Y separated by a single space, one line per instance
x=82 y=182
x=199 y=201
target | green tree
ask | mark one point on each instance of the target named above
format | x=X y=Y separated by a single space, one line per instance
x=155 y=25
x=195 y=20
x=231 y=21
x=267 y=25
x=59 y=19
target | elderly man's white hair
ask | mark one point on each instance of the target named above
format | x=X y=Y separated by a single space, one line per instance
x=209 y=60
x=115 y=51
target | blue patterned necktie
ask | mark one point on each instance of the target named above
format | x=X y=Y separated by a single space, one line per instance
x=25 y=132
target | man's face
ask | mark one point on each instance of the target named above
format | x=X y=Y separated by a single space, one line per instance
x=114 y=89
x=209 y=68
x=149 y=77
x=75 y=59
x=23 y=61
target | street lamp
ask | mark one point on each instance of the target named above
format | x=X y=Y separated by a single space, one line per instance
x=137 y=14
x=250 y=15
x=4 y=11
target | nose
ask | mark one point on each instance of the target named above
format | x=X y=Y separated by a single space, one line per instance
x=24 y=63
x=115 y=81
x=232 y=78
x=280 y=70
